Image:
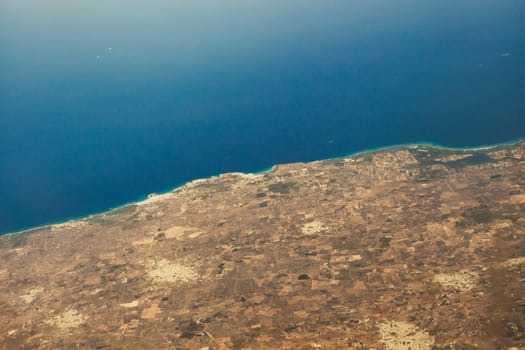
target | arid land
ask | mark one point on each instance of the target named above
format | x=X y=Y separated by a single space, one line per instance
x=411 y=247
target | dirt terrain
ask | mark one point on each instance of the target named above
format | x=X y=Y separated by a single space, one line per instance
x=406 y=248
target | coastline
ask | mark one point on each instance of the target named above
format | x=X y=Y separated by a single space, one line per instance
x=162 y=194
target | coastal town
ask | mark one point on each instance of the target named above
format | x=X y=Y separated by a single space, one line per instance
x=413 y=247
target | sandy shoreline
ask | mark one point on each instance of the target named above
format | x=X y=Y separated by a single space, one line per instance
x=155 y=197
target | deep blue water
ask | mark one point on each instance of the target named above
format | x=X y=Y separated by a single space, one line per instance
x=195 y=88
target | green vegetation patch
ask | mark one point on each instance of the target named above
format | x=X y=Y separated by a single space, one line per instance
x=475 y=159
x=100 y=220
x=283 y=187
x=427 y=155
x=128 y=209
x=238 y=342
x=365 y=158
x=216 y=186
x=335 y=161
x=385 y=241
x=477 y=215
x=15 y=240
x=430 y=156
x=431 y=174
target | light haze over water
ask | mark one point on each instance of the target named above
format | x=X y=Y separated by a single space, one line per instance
x=103 y=102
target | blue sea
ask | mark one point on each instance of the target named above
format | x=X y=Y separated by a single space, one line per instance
x=104 y=102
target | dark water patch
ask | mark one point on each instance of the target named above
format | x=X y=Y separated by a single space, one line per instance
x=100 y=108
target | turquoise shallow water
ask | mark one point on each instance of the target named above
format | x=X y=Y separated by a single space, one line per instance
x=101 y=104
